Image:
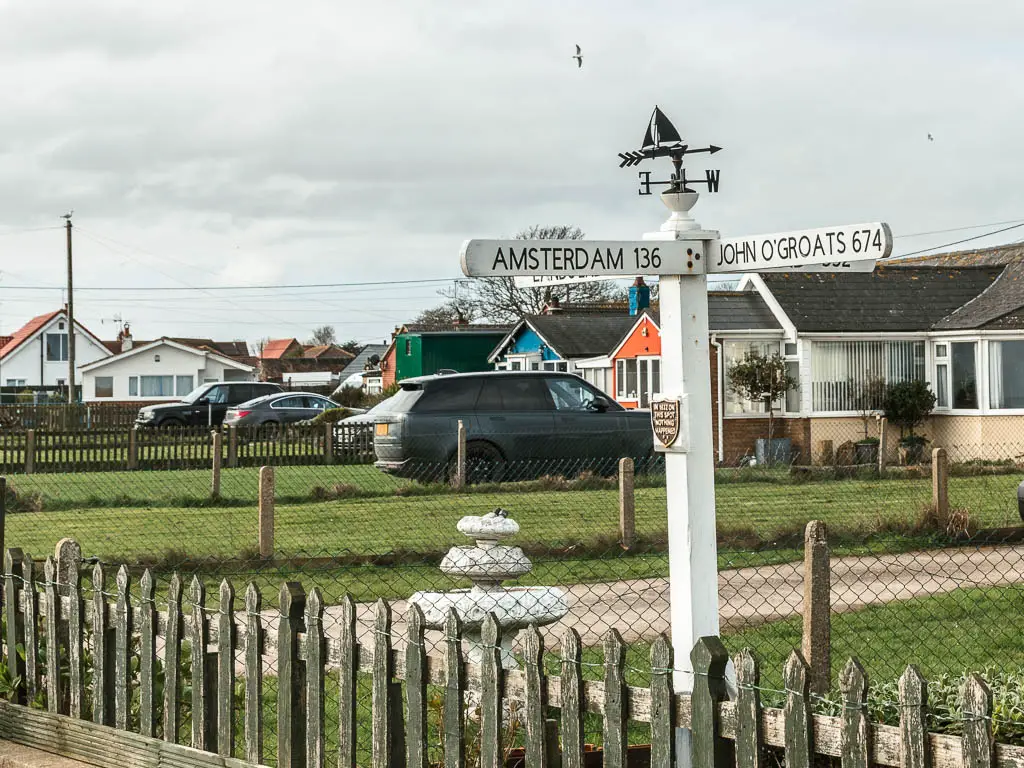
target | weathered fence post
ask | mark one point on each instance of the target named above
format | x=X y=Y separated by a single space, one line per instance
x=817 y=636
x=799 y=718
x=266 y=512
x=3 y=513
x=291 y=699
x=883 y=443
x=232 y=446
x=215 y=440
x=749 y=726
x=133 y=448
x=329 y=443
x=663 y=720
x=460 y=458
x=69 y=562
x=979 y=748
x=710 y=749
x=856 y=735
x=13 y=558
x=627 y=504
x=914 y=742
x=940 y=483
x=30 y=451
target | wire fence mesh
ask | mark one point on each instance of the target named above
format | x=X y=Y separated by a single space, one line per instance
x=916 y=576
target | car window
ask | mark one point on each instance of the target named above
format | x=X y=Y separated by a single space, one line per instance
x=296 y=401
x=515 y=393
x=217 y=394
x=450 y=395
x=571 y=395
x=318 y=403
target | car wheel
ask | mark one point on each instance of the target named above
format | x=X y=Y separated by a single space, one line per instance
x=171 y=423
x=484 y=464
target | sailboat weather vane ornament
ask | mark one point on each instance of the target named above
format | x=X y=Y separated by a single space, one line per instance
x=663 y=140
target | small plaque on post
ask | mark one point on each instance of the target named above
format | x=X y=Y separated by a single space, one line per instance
x=668 y=419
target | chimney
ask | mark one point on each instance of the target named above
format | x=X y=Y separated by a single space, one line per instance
x=125 y=337
x=639 y=296
x=553 y=306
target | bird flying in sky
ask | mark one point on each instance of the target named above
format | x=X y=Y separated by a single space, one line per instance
x=578 y=56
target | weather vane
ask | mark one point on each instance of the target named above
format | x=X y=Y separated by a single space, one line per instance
x=663 y=140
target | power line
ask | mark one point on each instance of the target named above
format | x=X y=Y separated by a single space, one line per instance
x=958 y=242
x=959 y=229
x=283 y=286
x=28 y=229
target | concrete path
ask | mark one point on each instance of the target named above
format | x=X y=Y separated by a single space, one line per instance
x=749 y=597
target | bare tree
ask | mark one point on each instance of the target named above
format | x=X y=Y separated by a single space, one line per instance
x=323 y=335
x=444 y=315
x=499 y=300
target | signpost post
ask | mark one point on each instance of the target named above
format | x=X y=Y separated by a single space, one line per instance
x=682 y=254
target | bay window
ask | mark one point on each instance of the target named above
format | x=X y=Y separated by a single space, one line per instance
x=841 y=369
x=733 y=352
x=1006 y=374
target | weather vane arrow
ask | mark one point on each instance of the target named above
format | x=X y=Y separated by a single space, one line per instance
x=663 y=140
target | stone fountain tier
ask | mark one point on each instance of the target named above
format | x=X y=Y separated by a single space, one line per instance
x=487 y=563
x=514 y=607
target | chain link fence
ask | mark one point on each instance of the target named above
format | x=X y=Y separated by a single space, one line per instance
x=927 y=564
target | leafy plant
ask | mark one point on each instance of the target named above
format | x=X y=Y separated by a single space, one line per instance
x=761 y=378
x=331 y=416
x=907 y=404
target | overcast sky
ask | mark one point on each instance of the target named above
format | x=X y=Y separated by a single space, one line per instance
x=251 y=143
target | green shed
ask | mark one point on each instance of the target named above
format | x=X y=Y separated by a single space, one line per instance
x=421 y=350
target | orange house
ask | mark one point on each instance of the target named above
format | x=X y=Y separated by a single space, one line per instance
x=636 y=363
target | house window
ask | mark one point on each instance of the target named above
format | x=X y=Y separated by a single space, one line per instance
x=16 y=382
x=56 y=347
x=157 y=386
x=133 y=386
x=183 y=385
x=516 y=365
x=964 y=374
x=792 y=401
x=1006 y=374
x=104 y=386
x=841 y=369
x=556 y=365
x=734 y=351
x=626 y=379
x=408 y=346
x=942 y=376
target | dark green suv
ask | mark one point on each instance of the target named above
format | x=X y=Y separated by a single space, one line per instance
x=518 y=424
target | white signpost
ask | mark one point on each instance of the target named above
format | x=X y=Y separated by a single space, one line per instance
x=681 y=416
x=829 y=248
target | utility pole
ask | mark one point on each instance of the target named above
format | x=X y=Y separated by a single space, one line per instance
x=71 y=318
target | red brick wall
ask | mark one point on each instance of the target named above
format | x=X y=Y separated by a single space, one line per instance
x=740 y=435
x=387 y=373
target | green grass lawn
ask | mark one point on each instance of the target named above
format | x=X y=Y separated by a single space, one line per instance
x=382 y=536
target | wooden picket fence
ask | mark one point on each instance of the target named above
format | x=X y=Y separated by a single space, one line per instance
x=66 y=418
x=183 y=447
x=113 y=646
